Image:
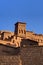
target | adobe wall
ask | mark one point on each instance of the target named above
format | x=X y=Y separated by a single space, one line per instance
x=9 y=60
x=31 y=55
x=9 y=55
x=6 y=35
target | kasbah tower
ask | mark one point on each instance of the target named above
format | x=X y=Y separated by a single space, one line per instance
x=20 y=37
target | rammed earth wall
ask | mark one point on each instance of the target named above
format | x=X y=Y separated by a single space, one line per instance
x=31 y=55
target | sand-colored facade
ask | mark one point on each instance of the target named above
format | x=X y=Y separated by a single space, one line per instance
x=15 y=38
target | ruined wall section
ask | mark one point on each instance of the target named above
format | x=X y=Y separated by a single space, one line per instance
x=16 y=40
x=35 y=37
x=6 y=35
x=29 y=35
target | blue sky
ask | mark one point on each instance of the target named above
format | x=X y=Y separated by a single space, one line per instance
x=29 y=11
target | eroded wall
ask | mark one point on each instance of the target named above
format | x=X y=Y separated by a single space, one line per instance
x=31 y=55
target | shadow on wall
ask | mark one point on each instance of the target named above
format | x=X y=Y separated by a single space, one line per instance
x=8 y=50
x=28 y=42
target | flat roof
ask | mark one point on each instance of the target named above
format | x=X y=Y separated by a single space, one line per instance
x=6 y=32
x=20 y=23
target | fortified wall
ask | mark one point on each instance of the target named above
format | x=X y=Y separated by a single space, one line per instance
x=21 y=47
x=31 y=55
x=20 y=36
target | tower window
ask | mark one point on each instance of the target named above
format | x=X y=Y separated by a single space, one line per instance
x=24 y=32
x=19 y=31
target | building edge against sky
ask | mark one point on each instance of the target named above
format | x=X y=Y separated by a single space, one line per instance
x=20 y=36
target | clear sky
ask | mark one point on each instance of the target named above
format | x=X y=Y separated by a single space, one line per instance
x=29 y=11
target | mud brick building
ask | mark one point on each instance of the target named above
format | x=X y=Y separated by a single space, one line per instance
x=20 y=37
